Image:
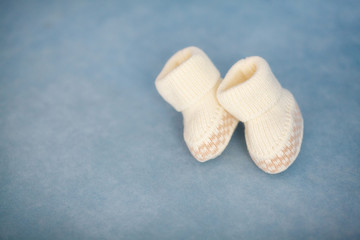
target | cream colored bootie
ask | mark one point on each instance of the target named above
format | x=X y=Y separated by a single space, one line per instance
x=188 y=82
x=273 y=122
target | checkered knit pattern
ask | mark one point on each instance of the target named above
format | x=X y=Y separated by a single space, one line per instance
x=290 y=150
x=218 y=139
x=272 y=118
x=188 y=82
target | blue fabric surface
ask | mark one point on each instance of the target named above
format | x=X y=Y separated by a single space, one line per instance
x=89 y=150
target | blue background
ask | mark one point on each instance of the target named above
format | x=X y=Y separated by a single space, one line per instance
x=89 y=150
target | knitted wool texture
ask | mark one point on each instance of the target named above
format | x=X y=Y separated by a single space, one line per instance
x=272 y=118
x=188 y=82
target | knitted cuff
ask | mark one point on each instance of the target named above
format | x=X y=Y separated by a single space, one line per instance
x=187 y=76
x=249 y=89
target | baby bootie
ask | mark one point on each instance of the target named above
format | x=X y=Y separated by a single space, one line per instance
x=188 y=82
x=273 y=122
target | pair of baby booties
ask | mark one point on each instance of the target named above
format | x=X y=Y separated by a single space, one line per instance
x=212 y=108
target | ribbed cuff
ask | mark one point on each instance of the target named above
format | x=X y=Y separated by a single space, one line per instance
x=249 y=89
x=187 y=76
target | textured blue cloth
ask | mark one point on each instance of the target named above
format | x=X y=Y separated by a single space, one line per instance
x=89 y=150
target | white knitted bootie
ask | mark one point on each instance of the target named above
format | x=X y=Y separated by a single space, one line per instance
x=188 y=82
x=273 y=122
